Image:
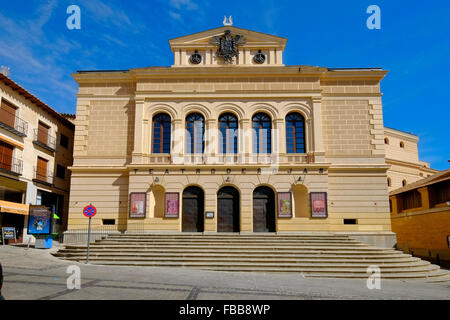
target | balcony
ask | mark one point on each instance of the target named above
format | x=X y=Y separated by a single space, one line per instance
x=11 y=165
x=225 y=159
x=44 y=140
x=12 y=123
x=43 y=176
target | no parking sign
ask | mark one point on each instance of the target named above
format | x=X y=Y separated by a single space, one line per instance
x=89 y=211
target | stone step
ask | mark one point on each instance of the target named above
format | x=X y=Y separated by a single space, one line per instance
x=231 y=241
x=313 y=255
x=269 y=267
x=439 y=276
x=181 y=251
x=264 y=235
x=240 y=247
x=236 y=237
x=260 y=263
x=177 y=255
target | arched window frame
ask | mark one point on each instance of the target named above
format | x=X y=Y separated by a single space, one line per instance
x=228 y=132
x=161 y=140
x=262 y=133
x=193 y=135
x=295 y=121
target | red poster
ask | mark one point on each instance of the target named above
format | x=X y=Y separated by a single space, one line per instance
x=138 y=201
x=319 y=205
x=172 y=205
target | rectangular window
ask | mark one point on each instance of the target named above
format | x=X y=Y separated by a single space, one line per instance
x=41 y=170
x=64 y=141
x=440 y=192
x=60 y=171
x=411 y=200
x=43 y=131
x=6 y=154
x=8 y=113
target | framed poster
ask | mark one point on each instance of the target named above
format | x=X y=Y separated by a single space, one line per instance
x=171 y=205
x=39 y=220
x=8 y=233
x=138 y=204
x=284 y=205
x=319 y=207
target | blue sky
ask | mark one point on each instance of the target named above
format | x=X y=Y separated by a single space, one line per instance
x=413 y=44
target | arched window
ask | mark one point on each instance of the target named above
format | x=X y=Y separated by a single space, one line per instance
x=262 y=135
x=295 y=133
x=161 y=133
x=386 y=141
x=402 y=144
x=389 y=182
x=404 y=183
x=195 y=133
x=228 y=129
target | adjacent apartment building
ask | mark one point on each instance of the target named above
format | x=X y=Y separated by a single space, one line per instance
x=36 y=147
x=402 y=154
x=420 y=214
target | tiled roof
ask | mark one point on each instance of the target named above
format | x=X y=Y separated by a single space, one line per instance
x=438 y=177
x=27 y=95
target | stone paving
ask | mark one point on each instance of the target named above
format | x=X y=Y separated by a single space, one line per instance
x=35 y=274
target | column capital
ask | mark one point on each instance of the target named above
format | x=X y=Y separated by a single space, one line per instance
x=316 y=99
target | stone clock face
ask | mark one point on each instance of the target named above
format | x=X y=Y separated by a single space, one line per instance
x=259 y=58
x=195 y=58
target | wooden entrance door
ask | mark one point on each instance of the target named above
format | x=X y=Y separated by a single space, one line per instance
x=228 y=210
x=193 y=210
x=263 y=210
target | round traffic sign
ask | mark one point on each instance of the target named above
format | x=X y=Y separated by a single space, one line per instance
x=89 y=211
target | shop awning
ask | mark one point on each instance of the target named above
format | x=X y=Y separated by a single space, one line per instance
x=13 y=207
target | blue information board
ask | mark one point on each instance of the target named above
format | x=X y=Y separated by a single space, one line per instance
x=39 y=220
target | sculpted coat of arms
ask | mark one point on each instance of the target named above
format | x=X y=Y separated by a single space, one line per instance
x=228 y=45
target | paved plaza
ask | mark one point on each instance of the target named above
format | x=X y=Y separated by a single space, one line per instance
x=34 y=274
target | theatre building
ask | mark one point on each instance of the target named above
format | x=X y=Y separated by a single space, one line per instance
x=230 y=139
x=35 y=151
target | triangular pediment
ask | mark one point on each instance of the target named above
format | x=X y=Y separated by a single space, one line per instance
x=253 y=39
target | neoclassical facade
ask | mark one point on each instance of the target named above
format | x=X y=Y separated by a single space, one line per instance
x=241 y=145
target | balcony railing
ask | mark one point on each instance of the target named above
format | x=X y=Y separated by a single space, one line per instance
x=238 y=159
x=10 y=164
x=44 y=140
x=12 y=123
x=43 y=176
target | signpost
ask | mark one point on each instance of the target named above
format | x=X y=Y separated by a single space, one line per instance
x=89 y=211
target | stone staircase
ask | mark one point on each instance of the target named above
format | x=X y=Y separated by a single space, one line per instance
x=311 y=255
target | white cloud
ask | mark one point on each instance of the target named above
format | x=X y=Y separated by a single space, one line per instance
x=105 y=13
x=184 y=4
x=175 y=16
